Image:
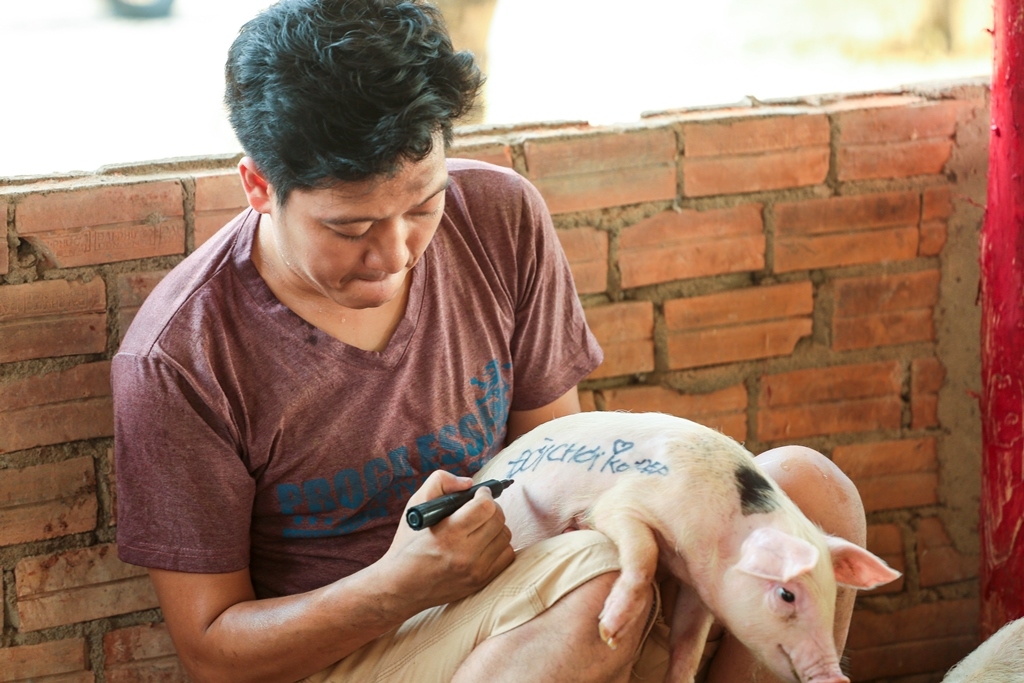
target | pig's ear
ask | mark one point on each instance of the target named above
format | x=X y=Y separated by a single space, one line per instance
x=856 y=567
x=776 y=555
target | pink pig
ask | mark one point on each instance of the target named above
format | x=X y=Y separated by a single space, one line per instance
x=666 y=489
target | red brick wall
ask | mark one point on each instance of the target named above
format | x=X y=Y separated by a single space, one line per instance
x=785 y=273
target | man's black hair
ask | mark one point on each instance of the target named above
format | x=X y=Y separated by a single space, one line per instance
x=320 y=91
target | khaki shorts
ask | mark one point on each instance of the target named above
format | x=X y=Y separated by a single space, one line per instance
x=430 y=647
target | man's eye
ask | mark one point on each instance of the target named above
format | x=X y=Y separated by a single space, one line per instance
x=348 y=236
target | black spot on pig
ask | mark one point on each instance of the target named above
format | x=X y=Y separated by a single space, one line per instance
x=756 y=493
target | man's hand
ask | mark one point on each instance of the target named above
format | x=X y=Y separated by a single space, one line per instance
x=456 y=557
x=217 y=623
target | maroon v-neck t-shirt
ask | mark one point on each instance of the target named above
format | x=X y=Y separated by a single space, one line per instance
x=245 y=436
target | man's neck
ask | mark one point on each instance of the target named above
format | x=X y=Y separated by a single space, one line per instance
x=369 y=329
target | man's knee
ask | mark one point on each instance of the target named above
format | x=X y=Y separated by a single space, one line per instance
x=561 y=643
x=819 y=488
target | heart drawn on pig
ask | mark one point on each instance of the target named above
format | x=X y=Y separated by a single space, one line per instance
x=621 y=446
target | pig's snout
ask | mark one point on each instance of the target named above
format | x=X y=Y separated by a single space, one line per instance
x=828 y=678
x=821 y=672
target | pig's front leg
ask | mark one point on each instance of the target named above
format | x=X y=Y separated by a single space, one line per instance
x=638 y=556
x=691 y=622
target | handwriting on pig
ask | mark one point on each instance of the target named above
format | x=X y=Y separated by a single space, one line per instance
x=606 y=460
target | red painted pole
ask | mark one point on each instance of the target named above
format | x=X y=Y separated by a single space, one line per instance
x=1002 y=361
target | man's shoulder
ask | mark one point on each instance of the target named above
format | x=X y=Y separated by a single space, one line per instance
x=187 y=293
x=470 y=174
x=492 y=193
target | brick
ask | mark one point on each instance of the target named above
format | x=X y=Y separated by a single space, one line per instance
x=884 y=310
x=209 y=222
x=879 y=459
x=937 y=204
x=487 y=149
x=927 y=376
x=864 y=415
x=605 y=151
x=219 y=198
x=67 y=405
x=859 y=296
x=924 y=411
x=845 y=231
x=886 y=541
x=736 y=307
x=47 y=501
x=220 y=190
x=756 y=135
x=849 y=249
x=605 y=189
x=626 y=334
x=724 y=410
x=759 y=322
x=908 y=658
x=933 y=238
x=837 y=383
x=52 y=318
x=677 y=245
x=79 y=585
x=893 y=159
x=938 y=560
x=104 y=223
x=847 y=214
x=893 y=474
x=898 y=492
x=822 y=401
x=920 y=121
x=132 y=290
x=587 y=251
x=755 y=154
x=60 y=661
x=142 y=654
x=928 y=621
x=883 y=330
x=600 y=171
x=703 y=177
x=96 y=246
x=106 y=204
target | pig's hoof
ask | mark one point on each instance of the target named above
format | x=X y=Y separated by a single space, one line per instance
x=607 y=637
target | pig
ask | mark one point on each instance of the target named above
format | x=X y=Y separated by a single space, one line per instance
x=669 y=490
x=1000 y=659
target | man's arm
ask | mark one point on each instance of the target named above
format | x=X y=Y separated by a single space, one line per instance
x=522 y=421
x=223 y=633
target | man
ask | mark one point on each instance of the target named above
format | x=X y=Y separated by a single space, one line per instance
x=364 y=338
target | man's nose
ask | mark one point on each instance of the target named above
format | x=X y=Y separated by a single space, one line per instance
x=389 y=251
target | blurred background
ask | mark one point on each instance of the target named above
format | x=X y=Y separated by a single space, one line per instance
x=86 y=86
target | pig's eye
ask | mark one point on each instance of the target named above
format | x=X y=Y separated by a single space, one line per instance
x=786 y=595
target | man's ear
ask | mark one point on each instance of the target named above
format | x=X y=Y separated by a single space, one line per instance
x=257 y=190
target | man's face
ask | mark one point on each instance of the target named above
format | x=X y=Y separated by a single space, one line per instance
x=355 y=242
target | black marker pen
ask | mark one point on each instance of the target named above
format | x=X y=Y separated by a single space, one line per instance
x=433 y=511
